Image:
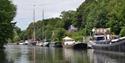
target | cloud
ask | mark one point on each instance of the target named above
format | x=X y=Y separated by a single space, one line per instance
x=52 y=8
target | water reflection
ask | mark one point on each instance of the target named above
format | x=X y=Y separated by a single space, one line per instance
x=3 y=58
x=75 y=56
x=49 y=55
x=19 y=54
x=29 y=54
x=107 y=57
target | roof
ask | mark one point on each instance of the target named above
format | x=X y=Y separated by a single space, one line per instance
x=67 y=38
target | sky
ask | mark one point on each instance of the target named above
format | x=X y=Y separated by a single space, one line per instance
x=52 y=8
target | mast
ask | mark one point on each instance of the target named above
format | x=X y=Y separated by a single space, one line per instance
x=42 y=14
x=34 y=33
x=44 y=37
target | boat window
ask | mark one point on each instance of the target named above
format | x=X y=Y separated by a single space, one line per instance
x=116 y=37
x=99 y=38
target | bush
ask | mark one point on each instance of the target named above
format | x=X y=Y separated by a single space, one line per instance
x=122 y=32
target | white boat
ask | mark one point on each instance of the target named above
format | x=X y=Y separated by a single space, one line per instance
x=107 y=42
x=68 y=42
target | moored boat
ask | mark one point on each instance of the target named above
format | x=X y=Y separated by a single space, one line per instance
x=80 y=45
x=55 y=44
x=103 y=40
x=45 y=44
x=68 y=42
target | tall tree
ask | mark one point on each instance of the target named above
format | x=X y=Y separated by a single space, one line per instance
x=7 y=13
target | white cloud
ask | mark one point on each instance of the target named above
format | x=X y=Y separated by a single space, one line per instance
x=52 y=8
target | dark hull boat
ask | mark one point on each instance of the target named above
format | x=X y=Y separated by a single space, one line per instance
x=80 y=46
x=118 y=45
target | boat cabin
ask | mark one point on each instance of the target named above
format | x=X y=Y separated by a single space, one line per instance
x=103 y=36
x=101 y=39
x=68 y=41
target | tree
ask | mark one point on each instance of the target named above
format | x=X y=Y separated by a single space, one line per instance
x=7 y=13
x=16 y=34
x=68 y=18
x=122 y=32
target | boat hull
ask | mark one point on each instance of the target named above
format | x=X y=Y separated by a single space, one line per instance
x=77 y=46
x=80 y=46
x=68 y=46
x=118 y=46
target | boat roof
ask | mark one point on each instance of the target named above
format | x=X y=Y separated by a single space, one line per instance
x=67 y=38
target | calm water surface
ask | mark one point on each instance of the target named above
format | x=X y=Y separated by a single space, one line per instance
x=29 y=54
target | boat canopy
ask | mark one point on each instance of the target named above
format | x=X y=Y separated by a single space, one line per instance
x=67 y=38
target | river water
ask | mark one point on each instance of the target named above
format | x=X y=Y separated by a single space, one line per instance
x=34 y=54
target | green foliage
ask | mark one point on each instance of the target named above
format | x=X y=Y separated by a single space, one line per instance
x=7 y=13
x=59 y=33
x=122 y=32
x=16 y=34
x=68 y=18
x=102 y=13
x=46 y=29
x=78 y=36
